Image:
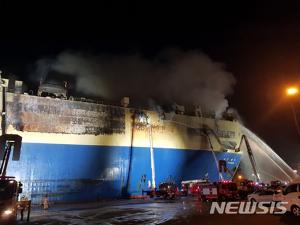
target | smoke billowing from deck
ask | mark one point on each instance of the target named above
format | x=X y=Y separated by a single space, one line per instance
x=189 y=77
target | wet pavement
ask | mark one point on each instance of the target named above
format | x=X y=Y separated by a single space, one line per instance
x=180 y=211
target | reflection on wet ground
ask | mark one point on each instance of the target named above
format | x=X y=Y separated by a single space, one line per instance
x=119 y=212
x=180 y=211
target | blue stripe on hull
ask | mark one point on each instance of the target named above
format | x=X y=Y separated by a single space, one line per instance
x=77 y=173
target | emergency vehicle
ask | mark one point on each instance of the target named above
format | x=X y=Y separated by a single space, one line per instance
x=9 y=187
x=166 y=190
x=9 y=192
x=223 y=191
x=246 y=187
x=191 y=187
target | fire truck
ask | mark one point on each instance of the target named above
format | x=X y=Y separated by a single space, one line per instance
x=9 y=187
x=246 y=187
x=205 y=190
x=222 y=191
x=9 y=192
x=191 y=187
x=166 y=190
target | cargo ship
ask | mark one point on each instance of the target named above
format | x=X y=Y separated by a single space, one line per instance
x=74 y=150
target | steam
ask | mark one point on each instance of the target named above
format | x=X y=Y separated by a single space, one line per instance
x=184 y=77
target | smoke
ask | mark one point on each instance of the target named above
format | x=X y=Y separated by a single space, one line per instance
x=184 y=77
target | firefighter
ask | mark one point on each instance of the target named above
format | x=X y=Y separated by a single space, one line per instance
x=23 y=206
x=45 y=202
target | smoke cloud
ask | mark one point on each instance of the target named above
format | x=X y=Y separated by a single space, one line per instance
x=184 y=77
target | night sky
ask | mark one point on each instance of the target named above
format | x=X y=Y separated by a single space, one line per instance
x=258 y=43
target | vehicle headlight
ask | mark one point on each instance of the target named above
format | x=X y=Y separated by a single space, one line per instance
x=8 y=212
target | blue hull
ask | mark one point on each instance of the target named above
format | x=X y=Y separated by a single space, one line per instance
x=80 y=173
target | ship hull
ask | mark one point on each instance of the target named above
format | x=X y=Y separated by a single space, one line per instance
x=79 y=151
x=83 y=172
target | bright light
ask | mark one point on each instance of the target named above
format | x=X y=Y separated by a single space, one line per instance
x=144 y=119
x=291 y=91
x=8 y=212
x=240 y=177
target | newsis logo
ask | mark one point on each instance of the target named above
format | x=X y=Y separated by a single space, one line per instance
x=248 y=208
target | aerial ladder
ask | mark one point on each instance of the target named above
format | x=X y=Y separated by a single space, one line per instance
x=207 y=131
x=210 y=132
x=221 y=164
x=251 y=156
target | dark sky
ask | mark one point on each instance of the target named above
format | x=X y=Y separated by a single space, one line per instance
x=259 y=43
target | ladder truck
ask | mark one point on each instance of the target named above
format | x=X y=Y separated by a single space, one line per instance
x=10 y=188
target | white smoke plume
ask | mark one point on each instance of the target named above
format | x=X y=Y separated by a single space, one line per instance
x=184 y=77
